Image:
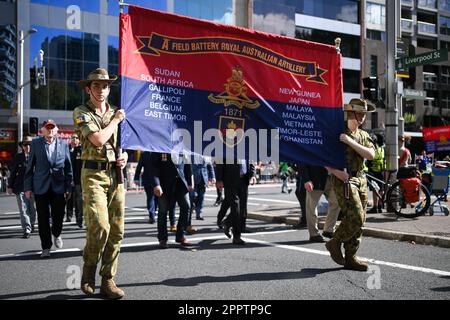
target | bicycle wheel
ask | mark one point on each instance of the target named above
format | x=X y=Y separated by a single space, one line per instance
x=397 y=202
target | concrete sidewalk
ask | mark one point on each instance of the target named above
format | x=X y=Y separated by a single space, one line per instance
x=431 y=230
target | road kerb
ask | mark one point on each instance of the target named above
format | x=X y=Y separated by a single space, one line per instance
x=426 y=239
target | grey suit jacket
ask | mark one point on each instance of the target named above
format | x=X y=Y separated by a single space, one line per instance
x=43 y=173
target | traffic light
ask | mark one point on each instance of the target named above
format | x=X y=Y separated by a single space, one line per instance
x=33 y=126
x=372 y=92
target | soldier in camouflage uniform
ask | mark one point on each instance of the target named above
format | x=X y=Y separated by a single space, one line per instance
x=351 y=187
x=103 y=197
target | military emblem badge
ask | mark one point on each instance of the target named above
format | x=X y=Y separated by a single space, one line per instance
x=235 y=93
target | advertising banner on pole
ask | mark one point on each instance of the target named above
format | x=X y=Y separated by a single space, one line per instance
x=436 y=138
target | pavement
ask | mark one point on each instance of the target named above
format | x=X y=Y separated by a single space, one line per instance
x=428 y=230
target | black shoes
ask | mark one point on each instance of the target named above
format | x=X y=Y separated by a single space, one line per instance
x=328 y=234
x=26 y=235
x=151 y=220
x=199 y=218
x=373 y=210
x=239 y=242
x=226 y=230
x=218 y=202
x=300 y=225
x=317 y=239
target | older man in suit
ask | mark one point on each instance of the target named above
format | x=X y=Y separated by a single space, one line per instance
x=171 y=181
x=48 y=178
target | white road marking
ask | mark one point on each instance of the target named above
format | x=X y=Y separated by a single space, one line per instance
x=11 y=213
x=137 y=244
x=261 y=199
x=266 y=243
x=373 y=261
x=18 y=227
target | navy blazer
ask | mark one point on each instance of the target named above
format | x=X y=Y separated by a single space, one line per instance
x=144 y=162
x=17 y=173
x=230 y=174
x=318 y=175
x=165 y=173
x=202 y=171
x=43 y=173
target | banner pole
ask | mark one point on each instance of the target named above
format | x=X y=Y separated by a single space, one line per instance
x=119 y=171
x=337 y=43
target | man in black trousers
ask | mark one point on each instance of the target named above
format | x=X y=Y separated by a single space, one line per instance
x=235 y=178
x=48 y=178
x=171 y=179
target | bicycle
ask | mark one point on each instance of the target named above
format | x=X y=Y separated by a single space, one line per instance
x=394 y=198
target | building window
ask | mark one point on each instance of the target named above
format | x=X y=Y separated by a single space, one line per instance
x=444 y=23
x=351 y=80
x=445 y=101
x=274 y=18
x=8 y=65
x=427 y=43
x=444 y=5
x=445 y=45
x=113 y=5
x=68 y=56
x=427 y=4
x=342 y=10
x=445 y=75
x=373 y=65
x=375 y=13
x=84 y=5
x=376 y=35
x=350 y=46
x=211 y=10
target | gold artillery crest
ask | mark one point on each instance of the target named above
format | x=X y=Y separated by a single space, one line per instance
x=235 y=93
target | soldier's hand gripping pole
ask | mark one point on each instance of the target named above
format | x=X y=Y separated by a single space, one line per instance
x=346 y=188
x=119 y=170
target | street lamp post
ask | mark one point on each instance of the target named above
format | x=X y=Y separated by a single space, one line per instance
x=21 y=84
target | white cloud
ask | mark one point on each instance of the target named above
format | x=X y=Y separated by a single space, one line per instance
x=277 y=23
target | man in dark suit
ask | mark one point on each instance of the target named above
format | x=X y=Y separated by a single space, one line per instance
x=15 y=185
x=76 y=198
x=48 y=178
x=171 y=181
x=152 y=202
x=235 y=178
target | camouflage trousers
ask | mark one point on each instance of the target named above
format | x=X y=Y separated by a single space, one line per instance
x=104 y=211
x=354 y=213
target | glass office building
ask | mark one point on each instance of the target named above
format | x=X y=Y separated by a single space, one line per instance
x=76 y=37
x=320 y=21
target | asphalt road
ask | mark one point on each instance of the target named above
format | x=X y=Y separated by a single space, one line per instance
x=278 y=263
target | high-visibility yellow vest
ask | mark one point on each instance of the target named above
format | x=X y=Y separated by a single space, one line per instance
x=378 y=160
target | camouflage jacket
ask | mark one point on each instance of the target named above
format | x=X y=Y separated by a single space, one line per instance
x=355 y=163
x=86 y=122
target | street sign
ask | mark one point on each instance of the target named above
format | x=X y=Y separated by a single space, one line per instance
x=414 y=94
x=421 y=59
x=402 y=51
